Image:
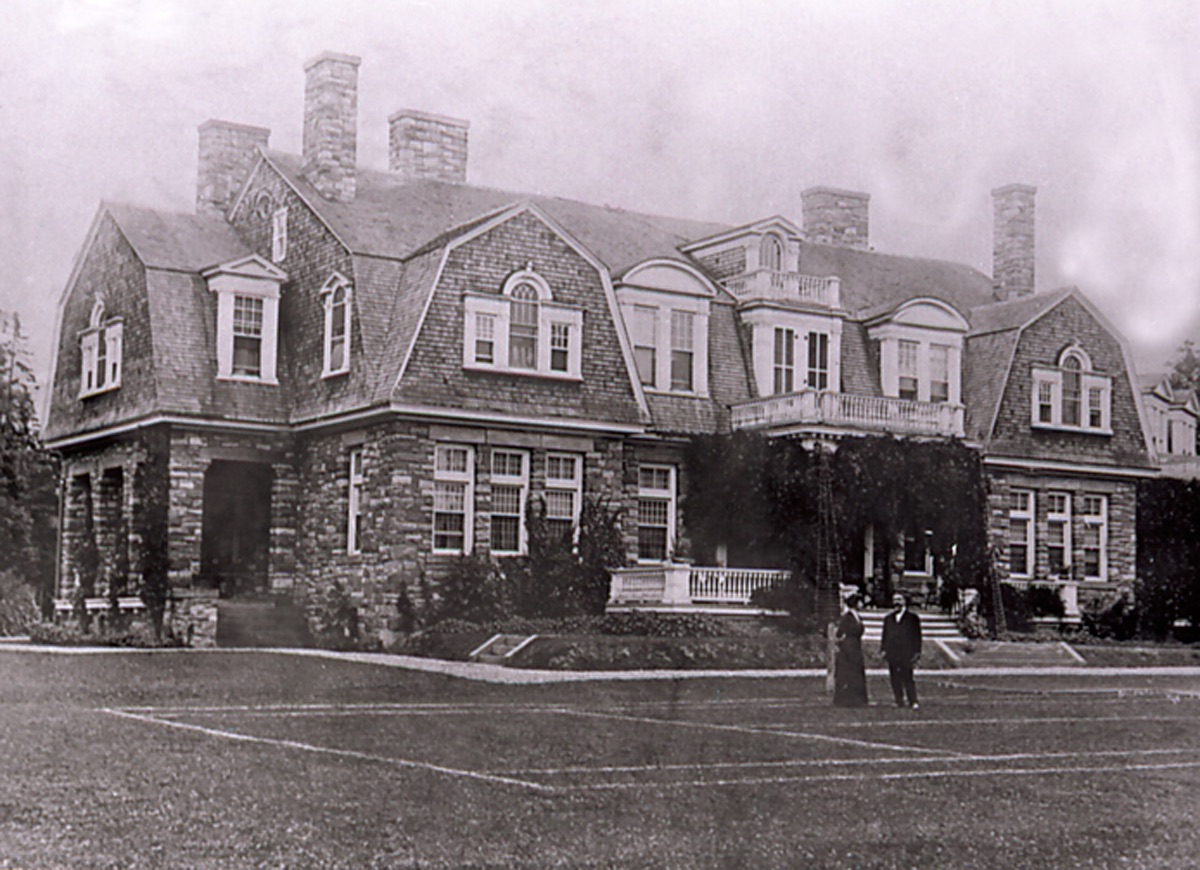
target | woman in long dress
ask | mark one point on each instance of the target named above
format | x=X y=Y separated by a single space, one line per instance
x=850 y=678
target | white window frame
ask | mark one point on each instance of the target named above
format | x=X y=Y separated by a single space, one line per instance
x=336 y=283
x=648 y=492
x=926 y=569
x=1048 y=384
x=462 y=480
x=784 y=368
x=100 y=374
x=1029 y=515
x=555 y=321
x=683 y=342
x=557 y=483
x=279 y=234
x=643 y=331
x=1062 y=519
x=940 y=370
x=356 y=484
x=906 y=371
x=1099 y=521
x=816 y=360
x=519 y=481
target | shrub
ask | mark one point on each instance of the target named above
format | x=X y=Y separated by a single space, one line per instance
x=650 y=624
x=332 y=616
x=1045 y=601
x=796 y=596
x=18 y=605
x=1110 y=616
x=475 y=589
x=70 y=634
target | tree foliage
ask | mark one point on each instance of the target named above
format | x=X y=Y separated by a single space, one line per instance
x=151 y=492
x=1168 y=533
x=28 y=472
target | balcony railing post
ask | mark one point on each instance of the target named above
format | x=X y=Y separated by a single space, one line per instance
x=675 y=589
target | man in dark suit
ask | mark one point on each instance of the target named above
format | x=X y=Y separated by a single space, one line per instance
x=902 y=647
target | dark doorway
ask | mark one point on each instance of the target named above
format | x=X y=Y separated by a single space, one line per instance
x=236 y=542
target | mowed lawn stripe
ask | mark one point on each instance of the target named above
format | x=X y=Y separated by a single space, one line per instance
x=326 y=750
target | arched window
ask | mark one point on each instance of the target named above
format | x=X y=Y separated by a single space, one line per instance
x=100 y=352
x=336 y=300
x=1072 y=394
x=1072 y=390
x=523 y=327
x=771 y=253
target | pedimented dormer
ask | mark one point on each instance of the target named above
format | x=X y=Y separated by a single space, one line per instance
x=247 y=291
x=666 y=308
x=762 y=262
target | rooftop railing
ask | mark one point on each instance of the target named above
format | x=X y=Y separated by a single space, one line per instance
x=786 y=287
x=848 y=411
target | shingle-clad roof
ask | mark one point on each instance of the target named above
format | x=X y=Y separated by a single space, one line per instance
x=1014 y=313
x=877 y=283
x=393 y=218
x=182 y=242
x=985 y=372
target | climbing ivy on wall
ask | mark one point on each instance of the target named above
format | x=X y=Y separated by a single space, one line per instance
x=151 y=489
x=758 y=497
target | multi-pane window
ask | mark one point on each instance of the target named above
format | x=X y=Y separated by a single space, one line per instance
x=907 y=368
x=818 y=361
x=510 y=488
x=453 y=498
x=100 y=349
x=682 y=350
x=1094 y=513
x=560 y=346
x=771 y=253
x=523 y=327
x=279 y=236
x=918 y=557
x=785 y=360
x=644 y=331
x=357 y=482
x=1058 y=533
x=1020 y=533
x=247 y=336
x=485 y=338
x=564 y=493
x=336 y=299
x=939 y=373
x=656 y=512
x=1072 y=395
x=1072 y=391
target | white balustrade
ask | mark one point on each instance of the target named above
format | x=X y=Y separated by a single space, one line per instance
x=675 y=585
x=879 y=413
x=786 y=286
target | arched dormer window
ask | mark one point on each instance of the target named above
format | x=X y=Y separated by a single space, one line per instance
x=771 y=253
x=100 y=346
x=1071 y=395
x=523 y=330
x=335 y=299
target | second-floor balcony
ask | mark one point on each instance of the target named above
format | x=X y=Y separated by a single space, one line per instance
x=768 y=284
x=843 y=411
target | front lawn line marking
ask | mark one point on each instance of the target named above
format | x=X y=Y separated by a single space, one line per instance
x=339 y=753
x=1032 y=720
x=745 y=729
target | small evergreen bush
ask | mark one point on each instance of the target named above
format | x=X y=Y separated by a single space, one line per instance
x=1110 y=616
x=18 y=605
x=1045 y=601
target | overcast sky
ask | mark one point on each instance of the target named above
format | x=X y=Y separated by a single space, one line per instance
x=721 y=111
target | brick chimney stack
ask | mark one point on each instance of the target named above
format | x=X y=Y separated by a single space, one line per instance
x=227 y=154
x=836 y=217
x=425 y=147
x=330 y=124
x=1013 y=244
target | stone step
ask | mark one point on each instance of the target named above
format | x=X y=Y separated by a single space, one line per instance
x=499 y=648
x=934 y=625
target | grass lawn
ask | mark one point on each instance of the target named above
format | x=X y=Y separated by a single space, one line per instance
x=223 y=759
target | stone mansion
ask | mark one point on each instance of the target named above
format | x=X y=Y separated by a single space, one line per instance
x=345 y=373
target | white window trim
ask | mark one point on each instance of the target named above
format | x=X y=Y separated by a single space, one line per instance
x=927 y=568
x=1101 y=521
x=1063 y=518
x=499 y=307
x=672 y=506
x=1089 y=380
x=328 y=292
x=828 y=369
x=573 y=484
x=111 y=333
x=518 y=480
x=783 y=371
x=467 y=478
x=1030 y=517
x=279 y=234
x=357 y=484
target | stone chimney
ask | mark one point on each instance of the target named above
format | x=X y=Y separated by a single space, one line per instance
x=425 y=147
x=227 y=154
x=836 y=217
x=330 y=124
x=1013 y=240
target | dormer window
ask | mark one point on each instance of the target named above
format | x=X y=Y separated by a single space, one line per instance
x=1072 y=395
x=771 y=253
x=247 y=293
x=100 y=349
x=335 y=299
x=523 y=330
